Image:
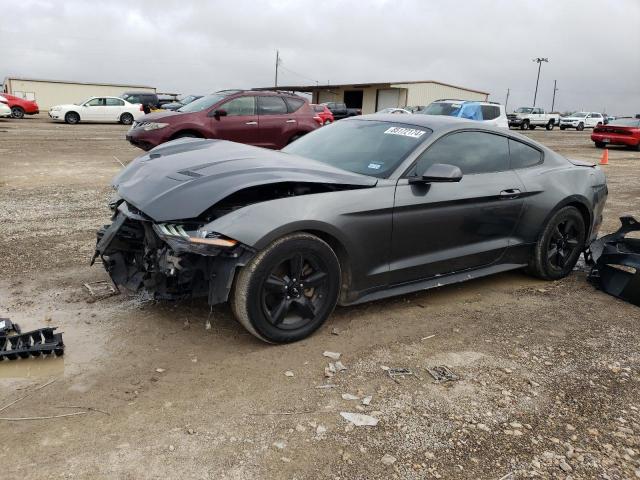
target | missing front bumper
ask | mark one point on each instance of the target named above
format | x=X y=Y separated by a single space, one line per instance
x=138 y=257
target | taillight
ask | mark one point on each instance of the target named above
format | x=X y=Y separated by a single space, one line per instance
x=141 y=108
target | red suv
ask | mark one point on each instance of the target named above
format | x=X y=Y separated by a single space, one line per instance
x=260 y=118
x=21 y=107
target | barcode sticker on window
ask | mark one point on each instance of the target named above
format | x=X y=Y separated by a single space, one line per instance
x=405 y=132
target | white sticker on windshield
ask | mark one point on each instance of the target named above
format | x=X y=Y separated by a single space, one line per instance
x=405 y=132
x=374 y=166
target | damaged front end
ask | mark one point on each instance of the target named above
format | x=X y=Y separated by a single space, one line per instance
x=169 y=260
x=616 y=262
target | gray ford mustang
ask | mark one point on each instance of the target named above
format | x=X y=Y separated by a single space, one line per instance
x=366 y=208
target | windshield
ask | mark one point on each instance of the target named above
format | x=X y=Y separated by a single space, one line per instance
x=524 y=110
x=625 y=122
x=361 y=146
x=579 y=114
x=442 y=108
x=203 y=103
x=187 y=99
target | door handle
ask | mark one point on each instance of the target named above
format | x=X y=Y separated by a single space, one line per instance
x=251 y=123
x=291 y=121
x=510 y=193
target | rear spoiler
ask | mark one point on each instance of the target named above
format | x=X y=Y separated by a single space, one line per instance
x=580 y=163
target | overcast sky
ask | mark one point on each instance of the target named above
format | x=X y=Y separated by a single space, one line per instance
x=593 y=46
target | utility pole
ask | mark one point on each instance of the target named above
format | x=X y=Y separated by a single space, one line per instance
x=539 y=62
x=277 y=64
x=553 y=102
x=506 y=102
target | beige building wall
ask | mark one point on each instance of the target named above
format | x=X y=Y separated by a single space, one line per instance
x=48 y=93
x=411 y=94
x=425 y=93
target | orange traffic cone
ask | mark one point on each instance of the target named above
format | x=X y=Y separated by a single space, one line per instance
x=605 y=157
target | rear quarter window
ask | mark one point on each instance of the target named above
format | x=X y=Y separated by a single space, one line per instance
x=490 y=112
x=523 y=156
x=293 y=104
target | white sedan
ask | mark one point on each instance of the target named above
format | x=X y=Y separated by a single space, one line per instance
x=5 y=111
x=98 y=109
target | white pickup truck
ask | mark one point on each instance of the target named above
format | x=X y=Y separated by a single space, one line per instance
x=531 y=117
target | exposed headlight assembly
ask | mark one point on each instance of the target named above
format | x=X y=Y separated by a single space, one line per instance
x=195 y=241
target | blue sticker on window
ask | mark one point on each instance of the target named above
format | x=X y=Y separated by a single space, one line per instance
x=374 y=166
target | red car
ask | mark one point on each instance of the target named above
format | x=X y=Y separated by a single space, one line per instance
x=323 y=113
x=21 y=107
x=260 y=118
x=621 y=131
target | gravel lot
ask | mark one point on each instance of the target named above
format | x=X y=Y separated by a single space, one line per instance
x=548 y=371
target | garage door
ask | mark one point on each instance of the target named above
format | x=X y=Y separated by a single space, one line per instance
x=388 y=97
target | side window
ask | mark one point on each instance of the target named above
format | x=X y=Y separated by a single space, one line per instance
x=95 y=102
x=271 y=106
x=472 y=152
x=341 y=106
x=293 y=104
x=114 y=102
x=490 y=112
x=133 y=99
x=240 y=106
x=523 y=156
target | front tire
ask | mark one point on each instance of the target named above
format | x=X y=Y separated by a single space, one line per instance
x=580 y=127
x=288 y=290
x=17 y=112
x=600 y=144
x=559 y=246
x=126 y=119
x=72 y=118
x=524 y=125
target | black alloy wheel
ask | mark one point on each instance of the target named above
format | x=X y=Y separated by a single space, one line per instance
x=287 y=290
x=294 y=291
x=560 y=245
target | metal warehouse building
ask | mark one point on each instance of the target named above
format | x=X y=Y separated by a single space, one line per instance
x=371 y=97
x=55 y=92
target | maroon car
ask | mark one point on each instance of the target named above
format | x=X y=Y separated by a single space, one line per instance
x=260 y=118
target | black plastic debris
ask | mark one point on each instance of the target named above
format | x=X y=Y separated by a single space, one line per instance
x=7 y=326
x=616 y=262
x=31 y=344
x=442 y=374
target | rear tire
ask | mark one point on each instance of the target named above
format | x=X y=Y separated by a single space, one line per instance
x=17 y=112
x=559 y=245
x=600 y=145
x=288 y=290
x=580 y=127
x=550 y=125
x=72 y=118
x=126 y=119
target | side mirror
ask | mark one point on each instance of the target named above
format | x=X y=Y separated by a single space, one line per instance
x=218 y=113
x=438 y=173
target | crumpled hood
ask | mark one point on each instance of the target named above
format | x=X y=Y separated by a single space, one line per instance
x=183 y=178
